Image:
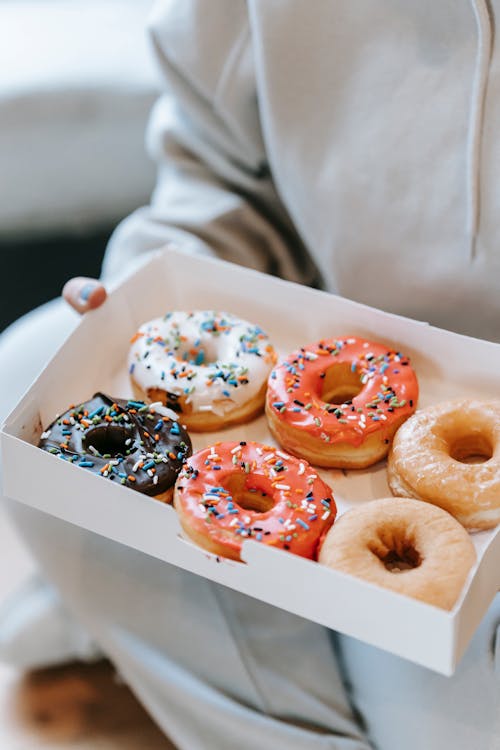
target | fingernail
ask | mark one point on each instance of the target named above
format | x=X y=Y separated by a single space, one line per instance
x=86 y=291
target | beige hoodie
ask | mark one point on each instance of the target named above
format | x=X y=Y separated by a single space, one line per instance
x=353 y=144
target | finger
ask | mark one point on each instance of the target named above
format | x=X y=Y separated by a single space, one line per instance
x=84 y=294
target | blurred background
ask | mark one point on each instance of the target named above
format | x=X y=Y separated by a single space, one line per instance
x=77 y=82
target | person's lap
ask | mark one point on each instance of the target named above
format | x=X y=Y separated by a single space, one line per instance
x=218 y=669
x=400 y=701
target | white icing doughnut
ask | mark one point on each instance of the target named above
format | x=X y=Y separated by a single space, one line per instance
x=211 y=367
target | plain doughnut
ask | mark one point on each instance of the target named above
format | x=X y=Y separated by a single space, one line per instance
x=409 y=547
x=449 y=455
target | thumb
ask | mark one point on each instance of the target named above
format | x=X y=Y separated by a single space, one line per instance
x=84 y=294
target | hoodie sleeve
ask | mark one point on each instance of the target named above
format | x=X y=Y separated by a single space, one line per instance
x=214 y=192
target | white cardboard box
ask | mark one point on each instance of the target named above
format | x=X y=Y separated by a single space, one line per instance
x=94 y=359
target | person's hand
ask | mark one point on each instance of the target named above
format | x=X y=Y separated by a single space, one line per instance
x=84 y=294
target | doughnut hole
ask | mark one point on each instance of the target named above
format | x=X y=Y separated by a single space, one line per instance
x=396 y=550
x=107 y=439
x=197 y=353
x=247 y=496
x=467 y=435
x=475 y=448
x=340 y=384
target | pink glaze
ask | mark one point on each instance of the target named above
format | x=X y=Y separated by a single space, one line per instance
x=389 y=390
x=303 y=507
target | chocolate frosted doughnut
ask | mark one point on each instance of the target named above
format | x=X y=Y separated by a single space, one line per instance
x=140 y=445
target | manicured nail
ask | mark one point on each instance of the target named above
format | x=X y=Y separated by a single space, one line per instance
x=86 y=291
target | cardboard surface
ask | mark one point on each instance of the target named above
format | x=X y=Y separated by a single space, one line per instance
x=94 y=359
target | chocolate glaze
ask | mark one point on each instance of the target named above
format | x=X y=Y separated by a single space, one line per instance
x=110 y=437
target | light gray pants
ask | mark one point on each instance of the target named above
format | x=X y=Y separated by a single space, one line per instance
x=219 y=670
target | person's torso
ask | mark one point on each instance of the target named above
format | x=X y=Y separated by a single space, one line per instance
x=383 y=152
x=380 y=121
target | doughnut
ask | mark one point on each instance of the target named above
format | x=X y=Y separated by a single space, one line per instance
x=449 y=455
x=235 y=491
x=400 y=544
x=138 y=445
x=211 y=367
x=338 y=402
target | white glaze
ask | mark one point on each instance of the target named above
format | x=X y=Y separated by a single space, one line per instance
x=205 y=344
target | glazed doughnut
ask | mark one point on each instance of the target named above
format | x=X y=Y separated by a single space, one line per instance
x=211 y=367
x=400 y=544
x=449 y=455
x=138 y=445
x=236 y=491
x=338 y=402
